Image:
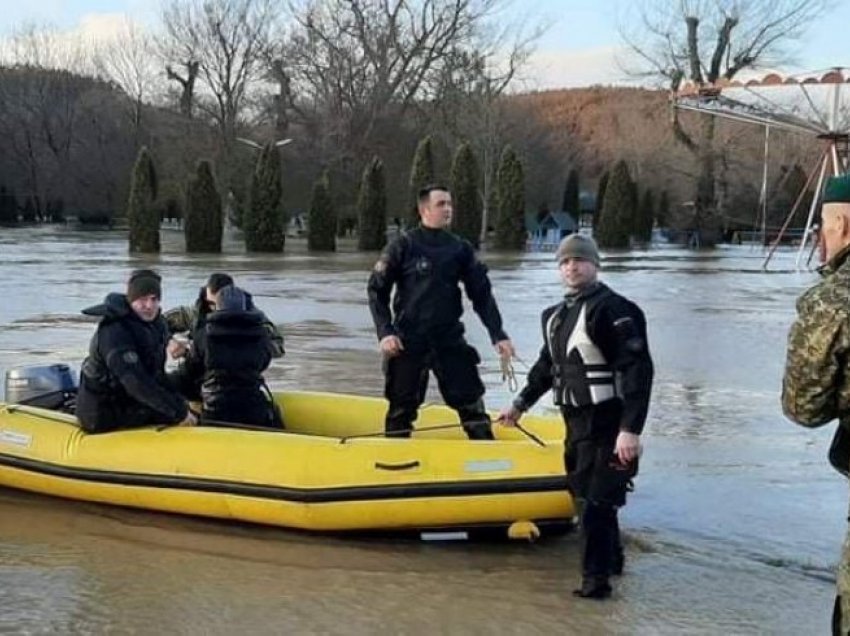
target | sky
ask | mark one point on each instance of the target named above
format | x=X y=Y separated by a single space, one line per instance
x=581 y=45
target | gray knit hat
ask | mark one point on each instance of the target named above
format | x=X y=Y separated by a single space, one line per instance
x=578 y=246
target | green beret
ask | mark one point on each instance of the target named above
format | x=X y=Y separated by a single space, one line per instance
x=837 y=189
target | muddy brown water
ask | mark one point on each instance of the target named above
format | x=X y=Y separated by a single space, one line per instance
x=735 y=526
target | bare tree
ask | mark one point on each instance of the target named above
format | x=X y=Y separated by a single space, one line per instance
x=187 y=85
x=227 y=40
x=355 y=63
x=129 y=61
x=469 y=102
x=704 y=41
x=43 y=46
x=40 y=99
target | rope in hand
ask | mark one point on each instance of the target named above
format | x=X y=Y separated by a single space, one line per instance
x=508 y=374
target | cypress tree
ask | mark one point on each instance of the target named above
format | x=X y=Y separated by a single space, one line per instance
x=571 y=203
x=263 y=219
x=614 y=224
x=321 y=229
x=372 y=207
x=662 y=213
x=510 y=184
x=645 y=217
x=600 y=193
x=142 y=213
x=421 y=174
x=468 y=213
x=203 y=224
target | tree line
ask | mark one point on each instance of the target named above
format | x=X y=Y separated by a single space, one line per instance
x=264 y=220
x=348 y=80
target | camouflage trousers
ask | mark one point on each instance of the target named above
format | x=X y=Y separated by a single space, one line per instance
x=841 y=622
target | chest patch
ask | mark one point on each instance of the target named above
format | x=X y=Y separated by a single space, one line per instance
x=424 y=266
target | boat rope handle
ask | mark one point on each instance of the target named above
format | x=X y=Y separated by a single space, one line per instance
x=402 y=466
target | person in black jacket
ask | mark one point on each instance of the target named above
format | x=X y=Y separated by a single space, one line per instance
x=229 y=355
x=423 y=330
x=595 y=359
x=192 y=320
x=122 y=381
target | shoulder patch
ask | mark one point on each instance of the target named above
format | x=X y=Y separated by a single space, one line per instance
x=131 y=357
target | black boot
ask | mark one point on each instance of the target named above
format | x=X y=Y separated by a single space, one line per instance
x=617 y=562
x=598 y=525
x=398 y=422
x=595 y=587
x=475 y=421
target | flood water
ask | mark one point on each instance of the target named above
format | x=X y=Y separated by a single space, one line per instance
x=735 y=527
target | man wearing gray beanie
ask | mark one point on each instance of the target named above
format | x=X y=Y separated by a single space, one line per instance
x=595 y=359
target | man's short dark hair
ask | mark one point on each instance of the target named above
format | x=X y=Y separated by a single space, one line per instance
x=425 y=191
x=217 y=280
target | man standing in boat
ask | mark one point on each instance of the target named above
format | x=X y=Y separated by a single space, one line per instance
x=423 y=330
x=122 y=381
x=595 y=359
x=816 y=384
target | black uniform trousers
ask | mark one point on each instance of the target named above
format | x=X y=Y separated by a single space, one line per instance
x=599 y=484
x=455 y=366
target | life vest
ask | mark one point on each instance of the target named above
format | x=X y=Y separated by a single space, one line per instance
x=581 y=374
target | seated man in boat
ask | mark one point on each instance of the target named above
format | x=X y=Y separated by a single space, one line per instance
x=192 y=320
x=423 y=331
x=227 y=359
x=122 y=381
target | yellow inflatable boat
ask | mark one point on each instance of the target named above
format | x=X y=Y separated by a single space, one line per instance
x=331 y=470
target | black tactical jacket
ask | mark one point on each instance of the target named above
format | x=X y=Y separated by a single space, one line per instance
x=123 y=378
x=426 y=267
x=617 y=327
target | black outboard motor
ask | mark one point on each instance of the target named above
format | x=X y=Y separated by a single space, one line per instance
x=48 y=387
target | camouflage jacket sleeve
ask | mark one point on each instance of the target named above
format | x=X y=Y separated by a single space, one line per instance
x=180 y=319
x=816 y=383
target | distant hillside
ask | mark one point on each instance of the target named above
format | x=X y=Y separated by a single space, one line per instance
x=594 y=127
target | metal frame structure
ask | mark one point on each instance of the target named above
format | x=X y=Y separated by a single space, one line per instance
x=816 y=103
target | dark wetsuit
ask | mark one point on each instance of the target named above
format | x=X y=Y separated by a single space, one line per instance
x=426 y=267
x=596 y=361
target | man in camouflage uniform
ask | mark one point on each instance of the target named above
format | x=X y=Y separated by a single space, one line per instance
x=816 y=385
x=193 y=319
